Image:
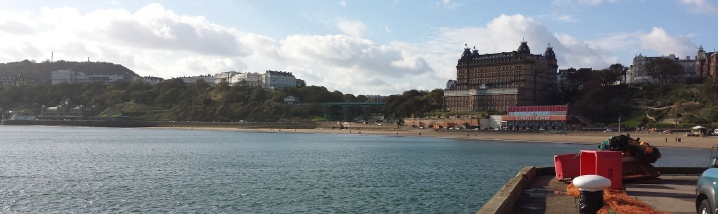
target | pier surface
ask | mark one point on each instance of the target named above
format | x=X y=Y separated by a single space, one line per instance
x=537 y=191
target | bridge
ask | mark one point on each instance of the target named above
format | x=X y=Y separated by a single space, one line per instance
x=345 y=107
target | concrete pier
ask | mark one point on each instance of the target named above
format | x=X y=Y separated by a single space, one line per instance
x=536 y=190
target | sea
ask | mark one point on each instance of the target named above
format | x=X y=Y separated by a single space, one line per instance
x=46 y=169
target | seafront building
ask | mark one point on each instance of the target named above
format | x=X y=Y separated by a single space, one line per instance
x=707 y=63
x=518 y=118
x=65 y=111
x=211 y=80
x=637 y=71
x=279 y=79
x=8 y=81
x=270 y=79
x=151 y=80
x=537 y=118
x=493 y=82
x=75 y=77
x=249 y=78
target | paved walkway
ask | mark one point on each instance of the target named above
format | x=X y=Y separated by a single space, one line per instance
x=670 y=193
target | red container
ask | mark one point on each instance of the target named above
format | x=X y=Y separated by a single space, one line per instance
x=604 y=163
x=567 y=166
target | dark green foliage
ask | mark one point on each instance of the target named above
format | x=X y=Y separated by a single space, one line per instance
x=664 y=70
x=413 y=103
x=42 y=71
x=667 y=105
x=174 y=100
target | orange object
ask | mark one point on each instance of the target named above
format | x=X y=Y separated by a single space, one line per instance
x=649 y=150
x=617 y=201
x=608 y=164
x=567 y=166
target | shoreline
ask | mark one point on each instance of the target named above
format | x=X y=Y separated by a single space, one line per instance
x=587 y=138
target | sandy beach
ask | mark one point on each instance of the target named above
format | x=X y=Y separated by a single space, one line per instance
x=654 y=139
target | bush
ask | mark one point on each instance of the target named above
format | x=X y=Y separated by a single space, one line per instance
x=630 y=123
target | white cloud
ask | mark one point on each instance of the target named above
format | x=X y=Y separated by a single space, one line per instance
x=448 y=4
x=663 y=43
x=343 y=3
x=504 y=34
x=582 y=2
x=352 y=28
x=701 y=6
x=349 y=63
x=119 y=36
x=155 y=41
x=566 y=18
x=595 y=2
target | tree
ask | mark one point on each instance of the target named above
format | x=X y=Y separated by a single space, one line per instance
x=348 y=98
x=606 y=77
x=664 y=69
x=361 y=98
x=619 y=69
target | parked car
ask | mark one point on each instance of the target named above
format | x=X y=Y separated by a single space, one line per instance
x=706 y=188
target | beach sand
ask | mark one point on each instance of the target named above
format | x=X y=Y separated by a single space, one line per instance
x=595 y=138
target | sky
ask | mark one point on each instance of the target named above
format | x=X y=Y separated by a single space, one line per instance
x=370 y=47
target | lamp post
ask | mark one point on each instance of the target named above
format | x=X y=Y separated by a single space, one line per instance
x=619 y=124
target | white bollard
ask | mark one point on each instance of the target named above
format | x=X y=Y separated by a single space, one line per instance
x=591 y=187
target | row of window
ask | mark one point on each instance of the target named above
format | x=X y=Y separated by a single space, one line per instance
x=537 y=113
x=484 y=72
x=480 y=103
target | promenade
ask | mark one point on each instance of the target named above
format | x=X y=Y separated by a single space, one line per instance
x=579 y=137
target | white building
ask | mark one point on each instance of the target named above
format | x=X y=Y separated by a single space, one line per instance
x=21 y=116
x=251 y=79
x=152 y=80
x=493 y=122
x=637 y=72
x=7 y=81
x=270 y=79
x=211 y=80
x=291 y=100
x=225 y=77
x=279 y=79
x=74 y=77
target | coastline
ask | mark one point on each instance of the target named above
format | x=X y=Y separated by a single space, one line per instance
x=589 y=138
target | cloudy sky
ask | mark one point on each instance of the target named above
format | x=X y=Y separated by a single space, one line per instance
x=355 y=46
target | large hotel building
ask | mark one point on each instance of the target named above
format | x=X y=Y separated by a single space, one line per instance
x=493 y=82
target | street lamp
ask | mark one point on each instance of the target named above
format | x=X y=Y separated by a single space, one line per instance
x=619 y=124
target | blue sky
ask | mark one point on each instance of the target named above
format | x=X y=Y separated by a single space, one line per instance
x=354 y=46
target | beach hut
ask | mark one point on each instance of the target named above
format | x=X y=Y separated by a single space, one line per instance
x=698 y=131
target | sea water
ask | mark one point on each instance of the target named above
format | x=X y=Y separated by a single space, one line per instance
x=91 y=170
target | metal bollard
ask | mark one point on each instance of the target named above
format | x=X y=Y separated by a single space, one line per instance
x=591 y=187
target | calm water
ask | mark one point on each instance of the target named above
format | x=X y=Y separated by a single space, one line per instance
x=90 y=170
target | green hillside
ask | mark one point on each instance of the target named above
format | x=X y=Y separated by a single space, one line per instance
x=675 y=105
x=42 y=71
